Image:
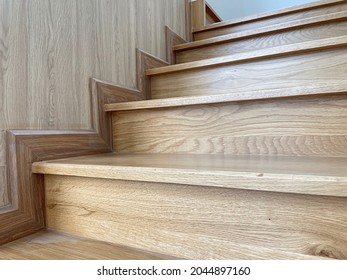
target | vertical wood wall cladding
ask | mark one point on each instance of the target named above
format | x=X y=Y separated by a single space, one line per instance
x=49 y=49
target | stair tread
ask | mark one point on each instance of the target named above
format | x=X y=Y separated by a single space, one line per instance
x=319 y=175
x=267 y=14
x=51 y=245
x=223 y=98
x=260 y=31
x=258 y=54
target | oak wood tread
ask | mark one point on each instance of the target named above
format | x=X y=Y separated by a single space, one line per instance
x=296 y=48
x=304 y=175
x=262 y=31
x=52 y=245
x=267 y=14
x=223 y=98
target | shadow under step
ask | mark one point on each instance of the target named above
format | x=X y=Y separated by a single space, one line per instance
x=297 y=31
x=52 y=245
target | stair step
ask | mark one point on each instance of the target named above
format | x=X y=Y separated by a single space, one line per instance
x=194 y=222
x=270 y=18
x=297 y=126
x=51 y=245
x=223 y=98
x=302 y=65
x=315 y=45
x=304 y=175
x=324 y=26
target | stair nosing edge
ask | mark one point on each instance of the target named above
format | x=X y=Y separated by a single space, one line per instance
x=290 y=49
x=264 y=15
x=339 y=16
x=222 y=98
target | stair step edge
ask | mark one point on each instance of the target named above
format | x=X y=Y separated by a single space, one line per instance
x=296 y=48
x=261 y=31
x=264 y=15
x=311 y=175
x=224 y=98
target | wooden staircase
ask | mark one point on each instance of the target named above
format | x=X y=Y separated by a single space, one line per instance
x=236 y=151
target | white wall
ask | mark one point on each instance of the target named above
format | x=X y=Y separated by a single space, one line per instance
x=228 y=9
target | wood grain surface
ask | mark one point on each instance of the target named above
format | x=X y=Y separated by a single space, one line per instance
x=198 y=9
x=4 y=195
x=223 y=98
x=304 y=175
x=25 y=213
x=49 y=50
x=199 y=223
x=312 y=126
x=308 y=70
x=273 y=17
x=262 y=38
x=50 y=245
x=172 y=39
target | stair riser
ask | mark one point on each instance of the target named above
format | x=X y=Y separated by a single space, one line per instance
x=299 y=35
x=270 y=21
x=311 y=126
x=313 y=69
x=183 y=221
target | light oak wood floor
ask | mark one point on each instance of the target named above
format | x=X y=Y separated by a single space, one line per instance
x=50 y=245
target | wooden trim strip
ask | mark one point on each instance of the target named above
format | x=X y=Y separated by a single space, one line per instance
x=284 y=11
x=212 y=14
x=224 y=98
x=26 y=214
x=255 y=55
x=263 y=31
x=188 y=17
x=145 y=62
x=198 y=8
x=172 y=39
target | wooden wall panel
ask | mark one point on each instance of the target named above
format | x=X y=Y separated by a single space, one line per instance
x=311 y=126
x=49 y=49
x=199 y=223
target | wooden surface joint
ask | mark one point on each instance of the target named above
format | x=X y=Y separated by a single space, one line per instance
x=26 y=214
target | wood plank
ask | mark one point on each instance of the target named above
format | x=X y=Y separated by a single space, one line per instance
x=199 y=223
x=321 y=68
x=198 y=10
x=49 y=50
x=50 y=245
x=4 y=192
x=211 y=15
x=305 y=175
x=266 y=29
x=308 y=126
x=223 y=98
x=299 y=48
x=172 y=39
x=2 y=148
x=270 y=18
x=25 y=214
x=282 y=34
